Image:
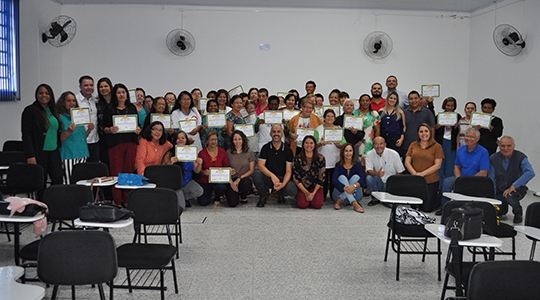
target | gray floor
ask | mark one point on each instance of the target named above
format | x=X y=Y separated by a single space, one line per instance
x=282 y=252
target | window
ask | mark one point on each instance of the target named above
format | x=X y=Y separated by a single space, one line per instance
x=9 y=50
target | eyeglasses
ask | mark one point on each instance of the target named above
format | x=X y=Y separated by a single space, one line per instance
x=156 y=129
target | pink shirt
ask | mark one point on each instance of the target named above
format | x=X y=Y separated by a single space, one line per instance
x=149 y=153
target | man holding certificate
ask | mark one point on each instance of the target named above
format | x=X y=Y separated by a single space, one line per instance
x=278 y=171
x=86 y=99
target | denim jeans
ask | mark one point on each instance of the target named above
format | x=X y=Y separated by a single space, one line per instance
x=346 y=197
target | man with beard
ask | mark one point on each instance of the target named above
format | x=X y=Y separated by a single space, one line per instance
x=391 y=85
x=277 y=172
x=377 y=101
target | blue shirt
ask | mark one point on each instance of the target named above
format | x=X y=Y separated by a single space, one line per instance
x=526 y=167
x=472 y=162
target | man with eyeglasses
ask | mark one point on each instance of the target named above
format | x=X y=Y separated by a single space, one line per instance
x=471 y=160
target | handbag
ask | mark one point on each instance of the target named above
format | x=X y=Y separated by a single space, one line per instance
x=131 y=179
x=30 y=210
x=103 y=212
x=411 y=216
x=465 y=222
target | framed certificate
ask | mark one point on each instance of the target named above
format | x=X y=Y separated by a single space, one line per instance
x=170 y=107
x=163 y=118
x=188 y=125
x=318 y=110
x=133 y=96
x=220 y=175
x=251 y=118
x=281 y=94
x=336 y=108
x=216 y=120
x=273 y=116
x=202 y=104
x=289 y=113
x=333 y=135
x=431 y=90
x=247 y=129
x=125 y=123
x=187 y=153
x=447 y=118
x=484 y=120
x=303 y=132
x=356 y=103
x=80 y=115
x=236 y=91
x=353 y=121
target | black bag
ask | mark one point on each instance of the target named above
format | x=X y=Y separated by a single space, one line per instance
x=30 y=210
x=101 y=212
x=466 y=221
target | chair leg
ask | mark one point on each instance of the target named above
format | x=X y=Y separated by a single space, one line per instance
x=174 y=277
x=111 y=290
x=533 y=248
x=73 y=292
x=129 y=280
x=439 y=260
x=176 y=228
x=54 y=292
x=398 y=259
x=513 y=248
x=387 y=244
x=161 y=271
x=101 y=293
x=445 y=285
x=425 y=248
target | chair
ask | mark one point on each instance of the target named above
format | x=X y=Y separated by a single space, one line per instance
x=408 y=239
x=532 y=219
x=170 y=177
x=90 y=170
x=69 y=258
x=12 y=145
x=476 y=186
x=498 y=280
x=24 y=178
x=157 y=206
x=6 y=159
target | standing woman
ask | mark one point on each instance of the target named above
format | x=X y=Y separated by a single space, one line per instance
x=242 y=160
x=234 y=117
x=348 y=180
x=351 y=134
x=40 y=127
x=465 y=122
x=122 y=146
x=212 y=156
x=222 y=97
x=330 y=150
x=424 y=158
x=309 y=169
x=74 y=148
x=372 y=126
x=305 y=119
x=104 y=99
x=159 y=106
x=152 y=147
x=393 y=123
x=184 y=109
x=447 y=137
x=212 y=107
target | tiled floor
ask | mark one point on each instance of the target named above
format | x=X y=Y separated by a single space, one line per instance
x=282 y=252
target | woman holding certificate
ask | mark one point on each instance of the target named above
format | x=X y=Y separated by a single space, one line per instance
x=424 y=158
x=222 y=97
x=212 y=107
x=465 y=122
x=309 y=169
x=242 y=161
x=371 y=126
x=74 y=149
x=215 y=168
x=153 y=145
x=234 y=116
x=304 y=123
x=186 y=116
x=121 y=125
x=159 y=107
x=393 y=123
x=330 y=142
x=353 y=135
x=41 y=135
x=348 y=180
x=446 y=134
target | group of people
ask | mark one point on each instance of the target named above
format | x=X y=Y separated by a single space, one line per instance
x=398 y=134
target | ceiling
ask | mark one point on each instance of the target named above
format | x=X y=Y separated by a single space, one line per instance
x=461 y=6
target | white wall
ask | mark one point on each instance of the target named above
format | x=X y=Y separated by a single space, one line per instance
x=511 y=81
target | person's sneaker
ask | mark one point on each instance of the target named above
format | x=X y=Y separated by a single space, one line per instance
x=439 y=212
x=261 y=202
x=373 y=202
x=518 y=219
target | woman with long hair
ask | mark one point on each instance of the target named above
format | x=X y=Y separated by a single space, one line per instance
x=152 y=146
x=348 y=180
x=242 y=160
x=393 y=123
x=371 y=126
x=309 y=169
x=105 y=86
x=447 y=137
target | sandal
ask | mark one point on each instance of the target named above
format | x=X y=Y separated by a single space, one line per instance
x=357 y=207
x=337 y=206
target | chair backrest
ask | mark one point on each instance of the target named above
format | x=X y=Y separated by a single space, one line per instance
x=77 y=258
x=64 y=201
x=165 y=176
x=407 y=185
x=505 y=279
x=26 y=177
x=476 y=186
x=88 y=170
x=157 y=206
x=13 y=145
x=10 y=157
x=532 y=216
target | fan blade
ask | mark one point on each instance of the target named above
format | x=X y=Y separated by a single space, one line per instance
x=63 y=36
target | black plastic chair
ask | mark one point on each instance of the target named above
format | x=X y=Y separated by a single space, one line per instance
x=90 y=170
x=6 y=159
x=476 y=186
x=24 y=178
x=77 y=258
x=13 y=145
x=157 y=206
x=408 y=239
x=532 y=219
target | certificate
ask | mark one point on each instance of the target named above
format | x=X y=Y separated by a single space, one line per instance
x=333 y=135
x=133 y=96
x=170 y=107
x=303 y=132
x=202 y=104
x=353 y=121
x=125 y=123
x=289 y=113
x=187 y=153
x=318 y=110
x=216 y=120
x=220 y=175
x=281 y=94
x=431 y=90
x=80 y=115
x=188 y=125
x=484 y=120
x=247 y=129
x=336 y=108
x=447 y=118
x=163 y=118
x=251 y=118
x=356 y=103
x=237 y=90
x=273 y=117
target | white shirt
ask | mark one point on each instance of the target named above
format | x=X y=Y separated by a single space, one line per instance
x=178 y=115
x=264 y=133
x=389 y=161
x=93 y=137
x=330 y=150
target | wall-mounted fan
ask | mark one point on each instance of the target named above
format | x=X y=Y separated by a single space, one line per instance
x=180 y=42
x=378 y=45
x=508 y=40
x=60 y=31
